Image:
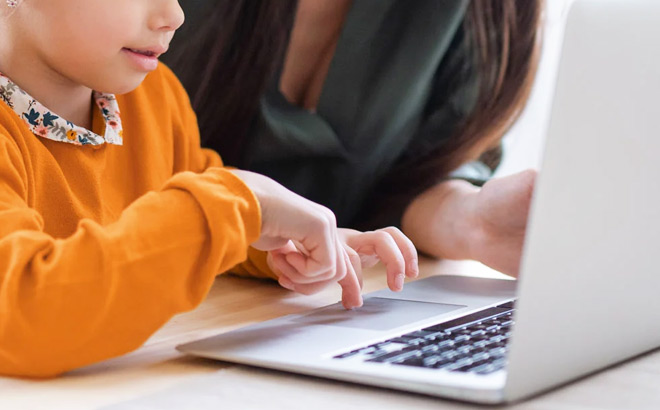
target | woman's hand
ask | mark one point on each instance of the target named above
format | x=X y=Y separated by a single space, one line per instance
x=362 y=250
x=302 y=237
x=455 y=220
x=499 y=213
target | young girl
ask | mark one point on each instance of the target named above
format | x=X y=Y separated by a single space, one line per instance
x=112 y=219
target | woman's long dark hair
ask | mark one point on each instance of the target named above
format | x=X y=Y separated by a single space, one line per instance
x=227 y=64
x=503 y=42
x=228 y=68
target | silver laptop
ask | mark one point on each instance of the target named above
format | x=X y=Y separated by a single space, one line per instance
x=588 y=296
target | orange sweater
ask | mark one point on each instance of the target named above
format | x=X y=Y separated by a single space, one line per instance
x=101 y=245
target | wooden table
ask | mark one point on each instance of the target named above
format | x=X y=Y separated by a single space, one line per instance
x=156 y=376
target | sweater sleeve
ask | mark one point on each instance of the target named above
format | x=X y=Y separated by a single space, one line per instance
x=101 y=292
x=255 y=266
x=193 y=157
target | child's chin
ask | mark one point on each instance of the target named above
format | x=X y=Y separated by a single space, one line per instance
x=123 y=86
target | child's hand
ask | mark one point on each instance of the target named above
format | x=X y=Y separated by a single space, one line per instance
x=361 y=250
x=301 y=238
x=293 y=276
x=388 y=245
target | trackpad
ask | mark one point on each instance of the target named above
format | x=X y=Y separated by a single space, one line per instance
x=376 y=314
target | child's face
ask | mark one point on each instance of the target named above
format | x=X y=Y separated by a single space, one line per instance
x=106 y=45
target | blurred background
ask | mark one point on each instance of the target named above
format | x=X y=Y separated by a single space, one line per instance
x=524 y=142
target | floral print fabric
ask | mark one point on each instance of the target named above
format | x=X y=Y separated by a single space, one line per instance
x=46 y=124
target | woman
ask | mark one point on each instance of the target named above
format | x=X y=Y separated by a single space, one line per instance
x=389 y=112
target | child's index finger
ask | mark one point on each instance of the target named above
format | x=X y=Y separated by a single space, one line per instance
x=351 y=290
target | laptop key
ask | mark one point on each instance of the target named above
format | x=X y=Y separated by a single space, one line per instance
x=436 y=336
x=401 y=339
x=461 y=338
x=411 y=361
x=481 y=344
x=441 y=364
x=419 y=341
x=464 y=349
x=460 y=363
x=470 y=366
x=398 y=354
x=498 y=351
x=419 y=334
x=430 y=349
x=499 y=363
x=347 y=354
x=484 y=369
x=476 y=349
x=461 y=321
x=446 y=344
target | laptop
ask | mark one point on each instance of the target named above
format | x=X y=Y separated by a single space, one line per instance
x=588 y=293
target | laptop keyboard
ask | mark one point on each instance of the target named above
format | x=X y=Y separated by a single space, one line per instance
x=476 y=343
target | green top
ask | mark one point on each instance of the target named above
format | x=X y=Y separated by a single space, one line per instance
x=374 y=107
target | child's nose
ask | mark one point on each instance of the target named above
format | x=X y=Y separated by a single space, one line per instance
x=167 y=16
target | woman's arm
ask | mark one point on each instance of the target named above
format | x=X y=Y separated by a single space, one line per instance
x=456 y=220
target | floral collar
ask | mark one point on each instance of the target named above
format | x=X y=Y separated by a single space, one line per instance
x=44 y=123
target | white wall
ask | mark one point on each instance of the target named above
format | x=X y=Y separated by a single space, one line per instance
x=524 y=142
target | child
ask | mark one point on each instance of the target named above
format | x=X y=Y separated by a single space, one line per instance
x=112 y=219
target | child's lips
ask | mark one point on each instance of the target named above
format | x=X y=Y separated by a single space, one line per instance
x=154 y=52
x=143 y=60
x=143 y=52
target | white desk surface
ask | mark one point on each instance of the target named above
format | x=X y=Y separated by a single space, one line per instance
x=156 y=376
